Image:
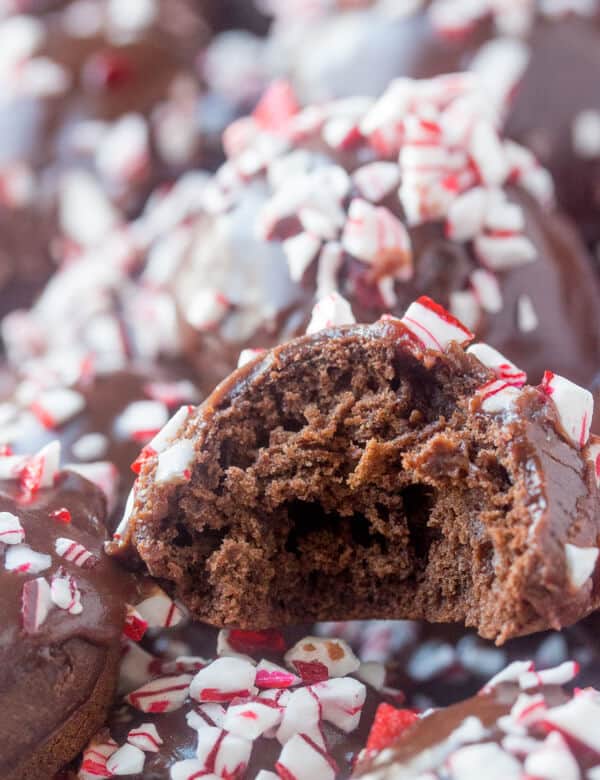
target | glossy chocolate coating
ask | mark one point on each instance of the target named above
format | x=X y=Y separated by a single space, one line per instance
x=107 y=398
x=48 y=676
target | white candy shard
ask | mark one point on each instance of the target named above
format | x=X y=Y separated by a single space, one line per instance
x=22 y=559
x=74 y=552
x=11 y=530
x=342 y=701
x=55 y=407
x=145 y=737
x=251 y=720
x=302 y=759
x=559 y=675
x=574 y=404
x=65 y=594
x=330 y=312
x=223 y=680
x=224 y=754
x=302 y=715
x=433 y=326
x=165 y=694
x=581 y=563
x=174 y=464
x=159 y=610
x=466 y=763
x=36 y=603
x=127 y=760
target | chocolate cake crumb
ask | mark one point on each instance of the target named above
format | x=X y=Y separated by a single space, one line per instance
x=354 y=474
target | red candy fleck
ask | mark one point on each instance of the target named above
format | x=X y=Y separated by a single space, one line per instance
x=215 y=695
x=388 y=725
x=311 y=671
x=6 y=450
x=108 y=70
x=256 y=641
x=276 y=107
x=135 y=627
x=145 y=454
x=61 y=515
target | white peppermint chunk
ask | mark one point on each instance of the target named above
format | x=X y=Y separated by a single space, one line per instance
x=581 y=562
x=127 y=760
x=251 y=720
x=304 y=760
x=174 y=464
x=574 y=404
x=11 y=530
x=487 y=760
x=224 y=679
x=21 y=558
x=330 y=312
x=145 y=737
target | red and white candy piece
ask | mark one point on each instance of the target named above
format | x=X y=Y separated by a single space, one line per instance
x=581 y=564
x=55 y=407
x=342 y=701
x=223 y=680
x=74 y=552
x=372 y=230
x=206 y=715
x=135 y=626
x=127 y=760
x=552 y=760
x=174 y=464
x=303 y=759
x=574 y=405
x=95 y=756
x=510 y=673
x=142 y=420
x=36 y=603
x=251 y=720
x=159 y=610
x=302 y=715
x=577 y=720
x=558 y=675
x=165 y=694
x=433 y=326
x=39 y=471
x=11 y=530
x=376 y=180
x=500 y=365
x=137 y=667
x=145 y=737
x=270 y=675
x=65 y=593
x=123 y=153
x=330 y=312
x=22 y=559
x=315 y=659
x=226 y=755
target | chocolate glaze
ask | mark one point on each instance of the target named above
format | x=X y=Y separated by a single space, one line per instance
x=46 y=677
x=107 y=397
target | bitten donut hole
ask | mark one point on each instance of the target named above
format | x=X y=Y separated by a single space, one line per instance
x=353 y=481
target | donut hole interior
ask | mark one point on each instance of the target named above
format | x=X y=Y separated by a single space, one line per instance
x=353 y=482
